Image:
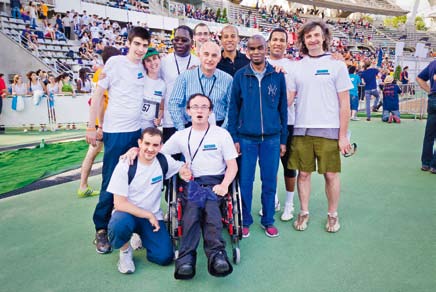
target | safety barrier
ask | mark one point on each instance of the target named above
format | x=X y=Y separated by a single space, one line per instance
x=63 y=110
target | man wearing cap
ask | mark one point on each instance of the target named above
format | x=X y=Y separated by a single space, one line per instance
x=391 y=104
x=172 y=66
x=207 y=80
x=428 y=156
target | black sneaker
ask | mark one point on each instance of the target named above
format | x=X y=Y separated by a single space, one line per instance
x=101 y=242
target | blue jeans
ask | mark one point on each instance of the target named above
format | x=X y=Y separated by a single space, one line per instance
x=354 y=102
x=115 y=145
x=385 y=116
x=33 y=24
x=368 y=93
x=158 y=244
x=15 y=12
x=268 y=152
x=428 y=156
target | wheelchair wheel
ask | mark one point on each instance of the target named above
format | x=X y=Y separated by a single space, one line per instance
x=237 y=210
x=236 y=255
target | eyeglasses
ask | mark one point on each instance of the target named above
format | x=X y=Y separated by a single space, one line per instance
x=352 y=150
x=197 y=107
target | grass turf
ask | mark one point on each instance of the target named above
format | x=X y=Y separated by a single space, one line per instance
x=387 y=240
x=21 y=167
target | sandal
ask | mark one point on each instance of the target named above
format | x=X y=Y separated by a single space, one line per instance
x=332 y=224
x=88 y=192
x=301 y=223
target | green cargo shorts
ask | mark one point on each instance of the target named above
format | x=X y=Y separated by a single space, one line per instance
x=308 y=152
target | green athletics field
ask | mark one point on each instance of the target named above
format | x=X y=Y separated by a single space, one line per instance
x=387 y=241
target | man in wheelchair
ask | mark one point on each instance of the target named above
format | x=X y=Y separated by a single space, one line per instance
x=211 y=155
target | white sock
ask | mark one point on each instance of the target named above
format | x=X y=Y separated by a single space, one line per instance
x=333 y=214
x=126 y=250
x=290 y=198
x=276 y=199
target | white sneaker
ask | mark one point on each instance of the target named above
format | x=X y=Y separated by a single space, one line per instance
x=125 y=263
x=135 y=242
x=287 y=212
x=277 y=208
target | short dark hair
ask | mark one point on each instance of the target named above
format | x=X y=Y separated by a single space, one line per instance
x=308 y=27
x=108 y=52
x=140 y=32
x=196 y=95
x=351 y=69
x=187 y=28
x=278 y=29
x=152 y=131
x=201 y=24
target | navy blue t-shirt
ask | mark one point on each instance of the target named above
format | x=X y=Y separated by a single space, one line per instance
x=429 y=73
x=369 y=75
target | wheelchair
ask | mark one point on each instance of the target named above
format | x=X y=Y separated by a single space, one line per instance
x=231 y=215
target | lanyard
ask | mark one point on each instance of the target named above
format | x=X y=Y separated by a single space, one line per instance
x=201 y=84
x=201 y=142
x=177 y=63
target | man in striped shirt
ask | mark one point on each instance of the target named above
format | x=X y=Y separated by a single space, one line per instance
x=207 y=80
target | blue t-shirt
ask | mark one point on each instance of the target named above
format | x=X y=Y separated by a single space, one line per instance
x=429 y=73
x=390 y=97
x=369 y=75
x=355 y=79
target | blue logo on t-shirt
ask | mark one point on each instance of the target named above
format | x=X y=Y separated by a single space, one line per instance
x=322 y=72
x=158 y=93
x=209 y=147
x=156 y=179
x=140 y=75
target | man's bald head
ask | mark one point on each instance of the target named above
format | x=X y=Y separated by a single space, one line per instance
x=210 y=55
x=209 y=46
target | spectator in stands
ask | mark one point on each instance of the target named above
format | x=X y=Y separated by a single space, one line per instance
x=66 y=23
x=83 y=83
x=428 y=156
x=43 y=12
x=84 y=189
x=201 y=35
x=60 y=36
x=52 y=86
x=84 y=54
x=231 y=59
x=32 y=14
x=369 y=77
x=60 y=23
x=3 y=93
x=258 y=124
x=28 y=37
x=49 y=32
x=172 y=66
x=65 y=85
x=42 y=75
x=19 y=88
x=121 y=121
x=391 y=104
x=34 y=83
x=15 y=9
x=404 y=76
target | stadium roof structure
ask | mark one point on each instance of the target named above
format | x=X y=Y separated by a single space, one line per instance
x=381 y=7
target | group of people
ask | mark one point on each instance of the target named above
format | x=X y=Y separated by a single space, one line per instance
x=223 y=111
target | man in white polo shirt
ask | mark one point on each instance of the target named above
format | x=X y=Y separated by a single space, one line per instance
x=124 y=80
x=322 y=113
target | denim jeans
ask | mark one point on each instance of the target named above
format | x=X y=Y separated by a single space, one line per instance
x=268 y=153
x=15 y=12
x=368 y=93
x=115 y=145
x=385 y=116
x=354 y=102
x=158 y=244
x=428 y=156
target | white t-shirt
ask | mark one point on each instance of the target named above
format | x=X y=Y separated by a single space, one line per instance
x=125 y=84
x=216 y=148
x=318 y=82
x=145 y=188
x=289 y=68
x=154 y=91
x=169 y=73
x=95 y=32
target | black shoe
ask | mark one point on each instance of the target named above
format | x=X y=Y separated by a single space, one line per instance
x=219 y=265
x=374 y=109
x=184 y=272
x=102 y=242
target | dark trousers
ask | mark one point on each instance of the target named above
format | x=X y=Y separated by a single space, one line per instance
x=198 y=219
x=428 y=156
x=115 y=145
x=67 y=32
